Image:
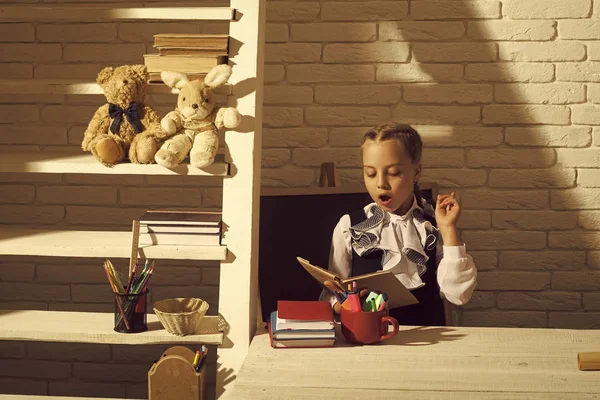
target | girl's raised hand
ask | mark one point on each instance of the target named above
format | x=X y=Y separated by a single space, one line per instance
x=447 y=210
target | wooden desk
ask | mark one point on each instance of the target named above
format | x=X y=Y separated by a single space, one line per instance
x=427 y=363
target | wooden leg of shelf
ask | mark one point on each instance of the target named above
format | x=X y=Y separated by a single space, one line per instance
x=238 y=290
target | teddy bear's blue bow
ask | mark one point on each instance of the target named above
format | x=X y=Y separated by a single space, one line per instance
x=116 y=113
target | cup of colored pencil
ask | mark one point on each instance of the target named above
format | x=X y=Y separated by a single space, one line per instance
x=130 y=299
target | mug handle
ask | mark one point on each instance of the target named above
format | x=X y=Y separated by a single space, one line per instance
x=385 y=320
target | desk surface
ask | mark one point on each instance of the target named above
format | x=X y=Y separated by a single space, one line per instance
x=429 y=363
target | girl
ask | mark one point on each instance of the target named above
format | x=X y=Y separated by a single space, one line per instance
x=399 y=232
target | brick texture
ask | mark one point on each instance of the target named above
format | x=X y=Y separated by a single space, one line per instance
x=506 y=96
x=549 y=136
x=505 y=158
x=582 y=320
x=509 y=72
x=542 y=260
x=513 y=280
x=292 y=11
x=445 y=94
x=511 y=30
x=555 y=51
x=364 y=53
x=420 y=31
x=559 y=93
x=334 y=32
x=444 y=10
x=526 y=114
x=587 y=177
x=539 y=301
x=293 y=52
x=534 y=220
x=531 y=9
x=364 y=10
x=579 y=29
x=102 y=32
x=527 y=178
x=419 y=73
x=362 y=94
x=512 y=319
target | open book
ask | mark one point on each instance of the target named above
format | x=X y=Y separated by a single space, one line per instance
x=381 y=281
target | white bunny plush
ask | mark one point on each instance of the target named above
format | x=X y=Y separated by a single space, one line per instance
x=194 y=124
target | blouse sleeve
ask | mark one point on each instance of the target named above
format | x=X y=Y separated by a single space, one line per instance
x=340 y=254
x=456 y=274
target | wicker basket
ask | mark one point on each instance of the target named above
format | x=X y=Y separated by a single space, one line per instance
x=180 y=316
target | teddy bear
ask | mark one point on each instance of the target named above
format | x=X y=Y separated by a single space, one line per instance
x=193 y=126
x=125 y=125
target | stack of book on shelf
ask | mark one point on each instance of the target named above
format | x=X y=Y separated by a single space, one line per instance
x=192 y=54
x=180 y=228
x=302 y=324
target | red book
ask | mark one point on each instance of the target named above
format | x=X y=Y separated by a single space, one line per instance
x=311 y=315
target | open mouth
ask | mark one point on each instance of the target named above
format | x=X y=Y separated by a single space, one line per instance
x=384 y=199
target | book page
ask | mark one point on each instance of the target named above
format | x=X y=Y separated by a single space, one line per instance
x=386 y=282
x=381 y=281
x=320 y=274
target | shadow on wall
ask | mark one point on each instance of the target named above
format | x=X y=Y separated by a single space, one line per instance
x=493 y=85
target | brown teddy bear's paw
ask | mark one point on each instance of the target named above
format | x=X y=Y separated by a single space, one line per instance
x=143 y=151
x=166 y=158
x=108 y=152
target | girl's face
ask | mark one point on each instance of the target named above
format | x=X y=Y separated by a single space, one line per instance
x=389 y=174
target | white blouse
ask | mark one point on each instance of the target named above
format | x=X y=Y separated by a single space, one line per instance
x=403 y=239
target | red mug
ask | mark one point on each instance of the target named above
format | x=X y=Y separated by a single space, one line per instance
x=362 y=327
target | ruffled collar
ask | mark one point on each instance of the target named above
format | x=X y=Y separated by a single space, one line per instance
x=410 y=234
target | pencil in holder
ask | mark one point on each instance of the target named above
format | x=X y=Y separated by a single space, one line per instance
x=173 y=377
x=131 y=312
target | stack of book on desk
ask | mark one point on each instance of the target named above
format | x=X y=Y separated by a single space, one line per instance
x=180 y=228
x=302 y=324
x=192 y=54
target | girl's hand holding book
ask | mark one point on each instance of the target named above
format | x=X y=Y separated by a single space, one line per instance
x=337 y=307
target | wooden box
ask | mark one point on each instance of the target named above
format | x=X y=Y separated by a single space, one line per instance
x=173 y=377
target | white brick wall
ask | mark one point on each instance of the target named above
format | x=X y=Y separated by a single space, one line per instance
x=506 y=96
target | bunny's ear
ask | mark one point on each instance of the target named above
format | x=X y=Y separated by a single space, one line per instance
x=174 y=79
x=104 y=75
x=218 y=76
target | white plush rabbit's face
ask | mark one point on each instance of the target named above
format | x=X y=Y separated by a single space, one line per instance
x=195 y=101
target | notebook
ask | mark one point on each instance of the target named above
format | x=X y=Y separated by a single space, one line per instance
x=301 y=343
x=313 y=315
x=284 y=334
x=381 y=281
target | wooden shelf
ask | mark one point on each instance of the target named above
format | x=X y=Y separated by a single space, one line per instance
x=30 y=397
x=85 y=327
x=80 y=13
x=85 y=163
x=63 y=86
x=105 y=244
x=80 y=87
